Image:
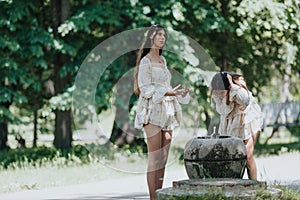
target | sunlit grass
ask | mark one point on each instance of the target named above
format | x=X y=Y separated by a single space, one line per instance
x=55 y=174
x=61 y=173
x=282 y=136
x=288 y=194
x=51 y=175
x=281 y=142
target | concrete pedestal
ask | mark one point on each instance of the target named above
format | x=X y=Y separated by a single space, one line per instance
x=218 y=188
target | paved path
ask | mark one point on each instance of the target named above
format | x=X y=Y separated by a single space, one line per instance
x=282 y=169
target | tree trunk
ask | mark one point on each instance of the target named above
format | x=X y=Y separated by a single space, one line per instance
x=126 y=134
x=123 y=132
x=35 y=116
x=63 y=131
x=3 y=135
x=224 y=37
x=63 y=128
x=4 y=130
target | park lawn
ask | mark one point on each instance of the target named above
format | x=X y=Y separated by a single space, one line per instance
x=57 y=173
x=51 y=176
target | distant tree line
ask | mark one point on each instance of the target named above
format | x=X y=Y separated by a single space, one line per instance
x=43 y=44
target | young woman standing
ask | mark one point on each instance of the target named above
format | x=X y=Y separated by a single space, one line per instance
x=158 y=110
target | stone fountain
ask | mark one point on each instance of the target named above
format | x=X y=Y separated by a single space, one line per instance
x=219 y=157
x=215 y=166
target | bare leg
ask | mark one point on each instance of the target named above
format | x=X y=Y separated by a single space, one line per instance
x=155 y=158
x=251 y=165
x=166 y=142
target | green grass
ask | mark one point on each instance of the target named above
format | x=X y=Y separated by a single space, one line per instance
x=61 y=173
x=276 y=149
x=43 y=167
x=289 y=194
x=24 y=174
x=282 y=142
x=31 y=177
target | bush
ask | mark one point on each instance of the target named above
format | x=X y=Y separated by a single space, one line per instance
x=38 y=156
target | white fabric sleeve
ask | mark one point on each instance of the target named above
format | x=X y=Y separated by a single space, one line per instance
x=218 y=103
x=144 y=79
x=159 y=93
x=240 y=95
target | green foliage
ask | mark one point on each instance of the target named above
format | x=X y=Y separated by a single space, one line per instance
x=106 y=152
x=276 y=149
x=59 y=102
x=22 y=55
x=134 y=149
x=40 y=156
x=77 y=155
x=179 y=151
x=259 y=39
x=288 y=194
x=269 y=28
x=110 y=152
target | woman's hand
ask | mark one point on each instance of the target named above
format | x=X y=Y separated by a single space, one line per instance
x=175 y=91
x=185 y=91
x=230 y=79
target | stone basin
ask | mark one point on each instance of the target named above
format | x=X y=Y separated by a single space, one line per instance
x=215 y=157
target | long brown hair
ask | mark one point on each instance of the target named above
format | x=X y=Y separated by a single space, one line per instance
x=221 y=82
x=235 y=77
x=144 y=50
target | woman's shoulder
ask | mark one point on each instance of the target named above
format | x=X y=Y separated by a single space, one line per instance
x=145 y=59
x=145 y=62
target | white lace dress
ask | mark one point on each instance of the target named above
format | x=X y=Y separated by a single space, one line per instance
x=242 y=117
x=153 y=106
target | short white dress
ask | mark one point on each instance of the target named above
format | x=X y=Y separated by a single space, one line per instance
x=242 y=117
x=153 y=106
